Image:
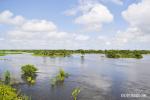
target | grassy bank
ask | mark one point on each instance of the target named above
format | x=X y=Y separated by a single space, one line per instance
x=63 y=53
x=6 y=52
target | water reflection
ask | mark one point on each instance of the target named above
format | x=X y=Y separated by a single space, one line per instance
x=82 y=60
x=98 y=77
x=44 y=60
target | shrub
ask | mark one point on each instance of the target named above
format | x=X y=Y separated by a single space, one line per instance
x=30 y=80
x=9 y=93
x=29 y=70
x=75 y=93
x=60 y=77
x=138 y=56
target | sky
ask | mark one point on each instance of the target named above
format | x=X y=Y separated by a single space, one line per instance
x=74 y=24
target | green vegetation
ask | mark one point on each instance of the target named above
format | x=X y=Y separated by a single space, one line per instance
x=5 y=52
x=63 y=53
x=60 y=77
x=108 y=53
x=123 y=54
x=30 y=80
x=28 y=70
x=75 y=93
x=51 y=53
x=2 y=54
x=29 y=73
x=9 y=93
x=7 y=77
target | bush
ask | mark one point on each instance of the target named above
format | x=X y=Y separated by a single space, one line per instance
x=30 y=80
x=138 y=56
x=75 y=93
x=60 y=77
x=29 y=70
x=113 y=55
x=9 y=93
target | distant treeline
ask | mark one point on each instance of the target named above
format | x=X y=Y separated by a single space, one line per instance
x=63 y=52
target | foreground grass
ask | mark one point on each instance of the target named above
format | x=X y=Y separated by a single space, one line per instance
x=9 y=93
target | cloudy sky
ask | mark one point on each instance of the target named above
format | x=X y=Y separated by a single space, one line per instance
x=74 y=24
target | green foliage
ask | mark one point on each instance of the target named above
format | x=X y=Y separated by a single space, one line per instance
x=75 y=93
x=29 y=74
x=9 y=93
x=7 y=77
x=52 y=53
x=5 y=52
x=123 y=54
x=63 y=52
x=60 y=77
x=29 y=70
x=138 y=56
x=30 y=80
x=2 y=54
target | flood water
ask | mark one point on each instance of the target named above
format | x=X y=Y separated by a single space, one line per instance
x=98 y=77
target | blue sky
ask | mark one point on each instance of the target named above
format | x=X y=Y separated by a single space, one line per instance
x=74 y=24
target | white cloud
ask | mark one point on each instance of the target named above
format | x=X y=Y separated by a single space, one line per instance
x=40 y=34
x=137 y=15
x=7 y=17
x=38 y=26
x=37 y=33
x=92 y=15
x=138 y=31
x=132 y=34
x=82 y=37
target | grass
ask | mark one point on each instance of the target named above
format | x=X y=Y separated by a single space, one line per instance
x=9 y=93
x=51 y=55
x=63 y=53
x=2 y=54
x=29 y=70
x=29 y=73
x=30 y=80
x=60 y=77
x=75 y=93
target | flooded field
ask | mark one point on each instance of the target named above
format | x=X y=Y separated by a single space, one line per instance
x=98 y=77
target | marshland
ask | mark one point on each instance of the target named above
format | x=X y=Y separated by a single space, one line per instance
x=74 y=74
x=74 y=50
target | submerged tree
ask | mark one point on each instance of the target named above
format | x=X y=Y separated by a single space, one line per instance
x=60 y=77
x=29 y=73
